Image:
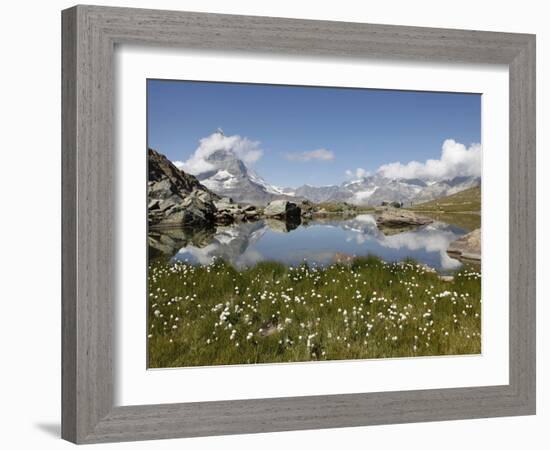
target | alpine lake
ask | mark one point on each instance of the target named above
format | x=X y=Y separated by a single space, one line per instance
x=319 y=242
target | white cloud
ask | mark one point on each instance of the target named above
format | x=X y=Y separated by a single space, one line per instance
x=357 y=173
x=246 y=150
x=320 y=154
x=178 y=164
x=456 y=160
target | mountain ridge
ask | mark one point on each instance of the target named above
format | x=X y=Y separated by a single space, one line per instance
x=229 y=176
x=242 y=184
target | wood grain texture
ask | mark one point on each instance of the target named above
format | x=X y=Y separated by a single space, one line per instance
x=89 y=36
x=68 y=225
x=523 y=224
x=87 y=209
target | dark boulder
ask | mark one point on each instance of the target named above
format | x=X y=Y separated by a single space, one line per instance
x=283 y=210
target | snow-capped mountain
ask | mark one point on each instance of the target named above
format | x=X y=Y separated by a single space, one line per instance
x=230 y=177
x=370 y=190
x=375 y=189
x=446 y=187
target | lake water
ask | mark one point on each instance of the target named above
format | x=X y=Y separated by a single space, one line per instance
x=321 y=242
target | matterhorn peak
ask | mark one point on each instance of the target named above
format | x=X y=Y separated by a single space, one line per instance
x=219 y=131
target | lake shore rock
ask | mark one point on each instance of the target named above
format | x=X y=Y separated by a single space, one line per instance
x=467 y=247
x=283 y=210
x=227 y=212
x=395 y=220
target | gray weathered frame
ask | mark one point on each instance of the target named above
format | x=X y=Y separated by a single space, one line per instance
x=89 y=36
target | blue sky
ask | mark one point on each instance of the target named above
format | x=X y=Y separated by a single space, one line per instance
x=355 y=128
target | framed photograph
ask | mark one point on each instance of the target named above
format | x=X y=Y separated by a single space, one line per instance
x=277 y=224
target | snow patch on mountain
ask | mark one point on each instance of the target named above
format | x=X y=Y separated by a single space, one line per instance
x=220 y=180
x=254 y=177
x=362 y=196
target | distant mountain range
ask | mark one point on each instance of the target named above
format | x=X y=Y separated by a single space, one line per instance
x=230 y=177
x=375 y=189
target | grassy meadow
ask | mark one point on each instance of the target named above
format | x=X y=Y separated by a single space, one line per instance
x=461 y=209
x=270 y=313
x=468 y=200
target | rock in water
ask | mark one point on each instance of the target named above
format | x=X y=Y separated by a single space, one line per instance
x=282 y=209
x=400 y=218
x=467 y=247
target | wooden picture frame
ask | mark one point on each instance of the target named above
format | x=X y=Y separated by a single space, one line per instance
x=90 y=34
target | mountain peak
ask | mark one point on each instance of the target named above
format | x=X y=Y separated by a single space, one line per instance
x=231 y=177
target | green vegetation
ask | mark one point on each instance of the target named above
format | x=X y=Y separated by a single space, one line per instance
x=215 y=315
x=468 y=200
x=461 y=209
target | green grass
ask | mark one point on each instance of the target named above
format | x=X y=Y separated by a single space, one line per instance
x=216 y=315
x=461 y=209
x=468 y=200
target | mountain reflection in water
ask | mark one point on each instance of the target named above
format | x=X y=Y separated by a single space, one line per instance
x=322 y=242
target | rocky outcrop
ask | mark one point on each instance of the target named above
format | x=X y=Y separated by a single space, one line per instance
x=176 y=198
x=166 y=180
x=467 y=247
x=283 y=210
x=228 y=211
x=393 y=220
x=195 y=209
